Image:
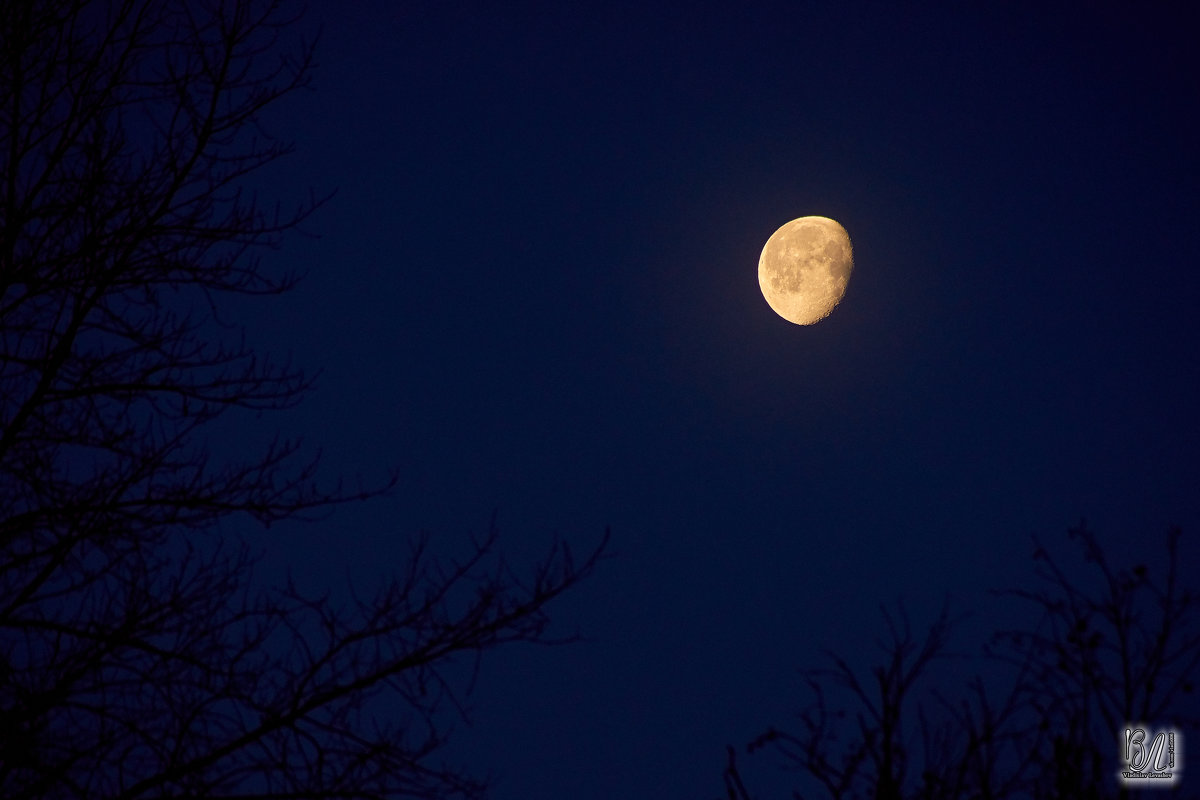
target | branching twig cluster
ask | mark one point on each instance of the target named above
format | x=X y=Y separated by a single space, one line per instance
x=1090 y=664
x=138 y=655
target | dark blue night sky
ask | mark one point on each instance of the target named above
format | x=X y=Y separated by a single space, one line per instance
x=535 y=295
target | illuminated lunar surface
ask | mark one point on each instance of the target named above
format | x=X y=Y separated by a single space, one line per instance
x=804 y=269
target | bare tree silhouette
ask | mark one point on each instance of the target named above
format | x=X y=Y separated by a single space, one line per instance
x=1091 y=663
x=139 y=657
x=1125 y=652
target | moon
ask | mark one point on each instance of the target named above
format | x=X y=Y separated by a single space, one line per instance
x=804 y=269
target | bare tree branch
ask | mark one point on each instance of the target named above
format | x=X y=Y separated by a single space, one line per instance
x=139 y=656
x=1089 y=664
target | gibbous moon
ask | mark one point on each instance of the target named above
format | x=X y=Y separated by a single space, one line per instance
x=804 y=269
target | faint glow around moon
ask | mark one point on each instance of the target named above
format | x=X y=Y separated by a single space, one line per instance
x=804 y=269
